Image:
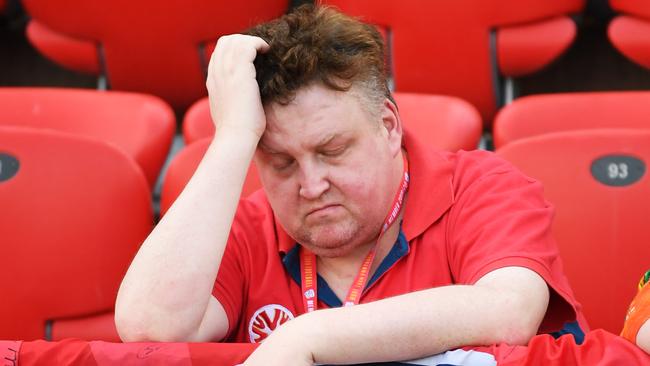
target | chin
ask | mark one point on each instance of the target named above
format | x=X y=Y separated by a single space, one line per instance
x=332 y=243
x=331 y=251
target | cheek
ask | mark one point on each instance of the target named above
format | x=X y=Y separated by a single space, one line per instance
x=281 y=193
x=369 y=182
x=361 y=185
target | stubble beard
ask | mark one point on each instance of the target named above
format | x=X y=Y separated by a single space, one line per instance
x=336 y=239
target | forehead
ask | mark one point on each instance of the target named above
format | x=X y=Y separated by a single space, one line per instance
x=315 y=113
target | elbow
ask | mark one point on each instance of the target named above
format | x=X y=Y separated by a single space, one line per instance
x=523 y=318
x=130 y=327
x=518 y=334
x=518 y=299
x=143 y=329
x=135 y=325
x=137 y=320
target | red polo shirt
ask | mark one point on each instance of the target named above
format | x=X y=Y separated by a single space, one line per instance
x=466 y=214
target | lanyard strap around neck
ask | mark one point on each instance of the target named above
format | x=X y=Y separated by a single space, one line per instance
x=308 y=272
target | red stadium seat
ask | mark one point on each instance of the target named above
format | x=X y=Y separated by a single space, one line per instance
x=630 y=32
x=447 y=123
x=601 y=224
x=197 y=123
x=460 y=47
x=182 y=168
x=74 y=212
x=156 y=47
x=541 y=114
x=140 y=125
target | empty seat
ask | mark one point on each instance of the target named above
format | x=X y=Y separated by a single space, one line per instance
x=182 y=168
x=156 y=47
x=598 y=182
x=630 y=31
x=541 y=114
x=463 y=47
x=444 y=122
x=140 y=125
x=74 y=212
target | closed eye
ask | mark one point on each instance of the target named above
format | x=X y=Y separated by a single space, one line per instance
x=334 y=152
x=280 y=164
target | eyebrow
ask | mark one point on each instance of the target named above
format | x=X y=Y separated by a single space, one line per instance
x=319 y=145
x=326 y=140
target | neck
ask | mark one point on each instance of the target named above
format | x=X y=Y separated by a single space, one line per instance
x=343 y=270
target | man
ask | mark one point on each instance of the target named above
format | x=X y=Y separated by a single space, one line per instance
x=438 y=250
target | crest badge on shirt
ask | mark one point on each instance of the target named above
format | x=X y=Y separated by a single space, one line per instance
x=265 y=320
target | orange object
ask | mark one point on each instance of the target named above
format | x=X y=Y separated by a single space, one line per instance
x=638 y=312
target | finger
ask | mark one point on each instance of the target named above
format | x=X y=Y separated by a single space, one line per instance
x=261 y=45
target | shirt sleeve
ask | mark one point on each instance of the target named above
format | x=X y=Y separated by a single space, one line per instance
x=501 y=219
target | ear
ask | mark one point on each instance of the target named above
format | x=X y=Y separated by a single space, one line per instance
x=393 y=125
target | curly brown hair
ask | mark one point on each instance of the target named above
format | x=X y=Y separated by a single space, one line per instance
x=319 y=44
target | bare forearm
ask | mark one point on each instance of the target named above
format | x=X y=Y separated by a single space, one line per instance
x=506 y=305
x=169 y=283
x=414 y=325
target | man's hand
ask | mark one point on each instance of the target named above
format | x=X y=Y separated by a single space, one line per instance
x=234 y=93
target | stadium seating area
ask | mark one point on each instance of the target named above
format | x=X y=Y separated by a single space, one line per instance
x=79 y=167
x=74 y=212
x=596 y=180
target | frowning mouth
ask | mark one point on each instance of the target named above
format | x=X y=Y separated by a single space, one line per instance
x=323 y=210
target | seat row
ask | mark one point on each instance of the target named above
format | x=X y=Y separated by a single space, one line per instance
x=143 y=126
x=460 y=48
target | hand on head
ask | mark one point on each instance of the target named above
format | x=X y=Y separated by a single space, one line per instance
x=235 y=102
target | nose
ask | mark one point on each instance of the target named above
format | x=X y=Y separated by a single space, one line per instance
x=313 y=180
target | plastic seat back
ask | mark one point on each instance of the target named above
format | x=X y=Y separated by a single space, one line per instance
x=156 y=47
x=540 y=114
x=182 y=168
x=74 y=212
x=630 y=31
x=598 y=182
x=140 y=125
x=447 y=123
x=461 y=47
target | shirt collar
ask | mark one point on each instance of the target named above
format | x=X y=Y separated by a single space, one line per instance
x=285 y=242
x=430 y=192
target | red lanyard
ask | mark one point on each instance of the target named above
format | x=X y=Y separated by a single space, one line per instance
x=308 y=271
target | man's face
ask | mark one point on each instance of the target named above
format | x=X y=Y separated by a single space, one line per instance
x=330 y=169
